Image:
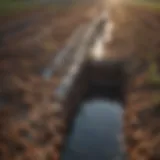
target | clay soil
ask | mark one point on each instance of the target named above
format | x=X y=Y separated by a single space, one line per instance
x=35 y=36
x=28 y=42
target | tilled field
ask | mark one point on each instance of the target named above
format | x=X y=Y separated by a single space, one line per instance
x=35 y=36
x=32 y=122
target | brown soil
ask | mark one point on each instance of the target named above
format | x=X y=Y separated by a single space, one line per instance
x=32 y=124
x=39 y=33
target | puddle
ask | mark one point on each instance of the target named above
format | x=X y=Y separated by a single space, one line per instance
x=96 y=132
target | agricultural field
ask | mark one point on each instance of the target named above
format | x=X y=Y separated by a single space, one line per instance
x=40 y=32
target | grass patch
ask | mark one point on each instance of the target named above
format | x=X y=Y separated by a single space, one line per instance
x=8 y=7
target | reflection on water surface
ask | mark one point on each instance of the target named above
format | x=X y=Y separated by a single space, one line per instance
x=96 y=131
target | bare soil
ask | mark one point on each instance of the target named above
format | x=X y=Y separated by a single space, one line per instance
x=28 y=108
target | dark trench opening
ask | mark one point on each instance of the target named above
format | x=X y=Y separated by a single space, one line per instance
x=97 y=126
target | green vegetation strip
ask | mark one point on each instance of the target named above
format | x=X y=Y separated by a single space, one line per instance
x=151 y=4
x=8 y=7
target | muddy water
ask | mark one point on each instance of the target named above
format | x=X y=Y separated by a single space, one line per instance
x=96 y=132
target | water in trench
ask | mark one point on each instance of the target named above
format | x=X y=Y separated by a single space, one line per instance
x=96 y=132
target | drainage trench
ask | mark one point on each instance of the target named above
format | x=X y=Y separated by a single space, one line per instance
x=97 y=93
x=87 y=88
x=94 y=96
